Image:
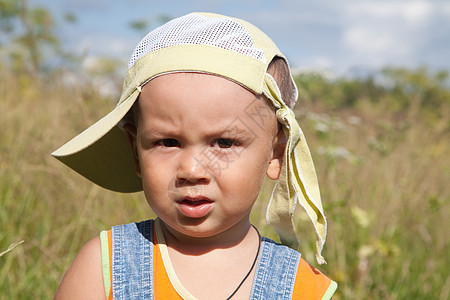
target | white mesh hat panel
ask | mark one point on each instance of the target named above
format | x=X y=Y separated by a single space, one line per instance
x=194 y=29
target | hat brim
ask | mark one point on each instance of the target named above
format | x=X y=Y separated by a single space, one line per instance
x=105 y=154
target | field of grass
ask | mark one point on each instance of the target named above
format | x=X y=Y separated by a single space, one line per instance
x=384 y=178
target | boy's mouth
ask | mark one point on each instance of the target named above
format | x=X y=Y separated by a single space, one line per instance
x=195 y=207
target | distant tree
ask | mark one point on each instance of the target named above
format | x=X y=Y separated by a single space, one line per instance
x=426 y=89
x=26 y=35
x=397 y=88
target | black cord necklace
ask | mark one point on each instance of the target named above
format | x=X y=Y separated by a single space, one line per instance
x=253 y=265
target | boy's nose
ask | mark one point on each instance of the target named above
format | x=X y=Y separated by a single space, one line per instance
x=193 y=168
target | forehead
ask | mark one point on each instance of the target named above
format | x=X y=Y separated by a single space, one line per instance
x=179 y=85
x=202 y=96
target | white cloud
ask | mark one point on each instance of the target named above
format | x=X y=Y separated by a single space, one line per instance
x=409 y=11
x=380 y=33
x=373 y=43
x=417 y=11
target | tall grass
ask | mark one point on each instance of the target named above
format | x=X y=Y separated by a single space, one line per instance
x=384 y=179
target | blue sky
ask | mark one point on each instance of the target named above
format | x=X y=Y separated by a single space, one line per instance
x=340 y=36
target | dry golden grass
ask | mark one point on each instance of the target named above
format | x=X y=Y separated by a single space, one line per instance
x=384 y=180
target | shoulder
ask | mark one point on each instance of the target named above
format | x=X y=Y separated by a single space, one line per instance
x=312 y=284
x=141 y=228
x=279 y=252
x=275 y=256
x=309 y=283
x=84 y=278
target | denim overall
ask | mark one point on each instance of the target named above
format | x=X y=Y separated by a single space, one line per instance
x=132 y=265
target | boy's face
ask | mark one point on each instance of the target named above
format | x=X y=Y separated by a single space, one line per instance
x=202 y=147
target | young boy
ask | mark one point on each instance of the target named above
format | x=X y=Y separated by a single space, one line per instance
x=206 y=110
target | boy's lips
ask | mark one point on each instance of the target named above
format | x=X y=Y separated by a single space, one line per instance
x=195 y=207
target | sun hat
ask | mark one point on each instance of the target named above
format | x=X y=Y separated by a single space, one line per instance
x=212 y=44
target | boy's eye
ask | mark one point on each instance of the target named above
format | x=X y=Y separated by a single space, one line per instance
x=225 y=143
x=168 y=143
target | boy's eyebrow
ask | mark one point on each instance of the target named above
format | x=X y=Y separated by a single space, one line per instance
x=233 y=130
x=155 y=132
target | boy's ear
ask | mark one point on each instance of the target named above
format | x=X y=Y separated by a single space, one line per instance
x=274 y=168
x=131 y=132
